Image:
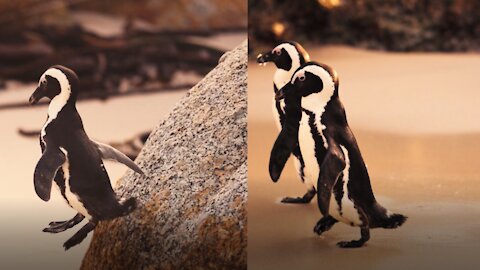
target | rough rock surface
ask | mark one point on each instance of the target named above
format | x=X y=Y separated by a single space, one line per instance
x=192 y=203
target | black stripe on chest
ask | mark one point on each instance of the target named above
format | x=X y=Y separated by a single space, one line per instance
x=320 y=150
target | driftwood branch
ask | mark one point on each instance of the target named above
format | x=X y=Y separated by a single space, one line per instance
x=130 y=147
x=101 y=95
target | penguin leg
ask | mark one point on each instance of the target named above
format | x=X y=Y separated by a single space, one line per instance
x=78 y=237
x=60 y=226
x=324 y=224
x=305 y=199
x=365 y=233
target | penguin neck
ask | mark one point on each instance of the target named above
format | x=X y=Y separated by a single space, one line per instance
x=282 y=76
x=61 y=105
x=317 y=102
x=63 y=101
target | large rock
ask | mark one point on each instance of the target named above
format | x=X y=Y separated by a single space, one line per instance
x=192 y=203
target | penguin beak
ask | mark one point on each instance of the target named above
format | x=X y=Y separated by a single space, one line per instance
x=263 y=58
x=280 y=94
x=37 y=95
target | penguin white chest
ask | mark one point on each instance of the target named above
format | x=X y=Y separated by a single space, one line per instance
x=307 y=147
x=72 y=198
x=281 y=77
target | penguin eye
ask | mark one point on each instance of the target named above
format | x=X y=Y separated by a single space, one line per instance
x=278 y=52
x=301 y=78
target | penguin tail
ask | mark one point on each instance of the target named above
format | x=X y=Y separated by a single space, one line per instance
x=127 y=206
x=393 y=221
x=382 y=218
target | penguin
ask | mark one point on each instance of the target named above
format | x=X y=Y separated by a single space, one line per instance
x=72 y=161
x=288 y=56
x=330 y=152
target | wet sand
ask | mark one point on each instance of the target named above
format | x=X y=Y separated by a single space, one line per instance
x=423 y=162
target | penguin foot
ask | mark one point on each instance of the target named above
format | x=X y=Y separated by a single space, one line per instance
x=365 y=232
x=60 y=226
x=299 y=200
x=351 y=244
x=56 y=223
x=78 y=237
x=307 y=198
x=324 y=224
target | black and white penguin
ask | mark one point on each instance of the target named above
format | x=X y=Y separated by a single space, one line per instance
x=288 y=57
x=330 y=152
x=74 y=162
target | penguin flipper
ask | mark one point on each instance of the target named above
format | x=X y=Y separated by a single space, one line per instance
x=110 y=153
x=279 y=156
x=287 y=140
x=45 y=171
x=332 y=165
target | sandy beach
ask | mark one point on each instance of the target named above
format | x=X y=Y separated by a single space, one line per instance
x=415 y=119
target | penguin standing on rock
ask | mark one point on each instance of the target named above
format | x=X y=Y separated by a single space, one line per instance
x=330 y=152
x=288 y=57
x=74 y=162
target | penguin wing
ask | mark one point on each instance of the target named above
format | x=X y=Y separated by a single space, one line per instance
x=48 y=165
x=282 y=148
x=287 y=140
x=108 y=152
x=332 y=165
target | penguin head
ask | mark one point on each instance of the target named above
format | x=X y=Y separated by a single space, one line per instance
x=308 y=79
x=286 y=56
x=56 y=81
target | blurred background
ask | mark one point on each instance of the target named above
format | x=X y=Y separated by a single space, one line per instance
x=404 y=25
x=135 y=60
x=409 y=82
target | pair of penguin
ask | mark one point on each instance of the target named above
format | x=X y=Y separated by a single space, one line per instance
x=314 y=129
x=72 y=161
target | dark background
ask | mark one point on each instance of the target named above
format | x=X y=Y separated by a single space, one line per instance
x=406 y=25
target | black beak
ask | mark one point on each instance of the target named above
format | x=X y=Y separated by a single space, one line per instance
x=37 y=95
x=264 y=57
x=280 y=94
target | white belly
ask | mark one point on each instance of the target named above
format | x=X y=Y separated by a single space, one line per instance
x=307 y=147
x=72 y=198
x=348 y=214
